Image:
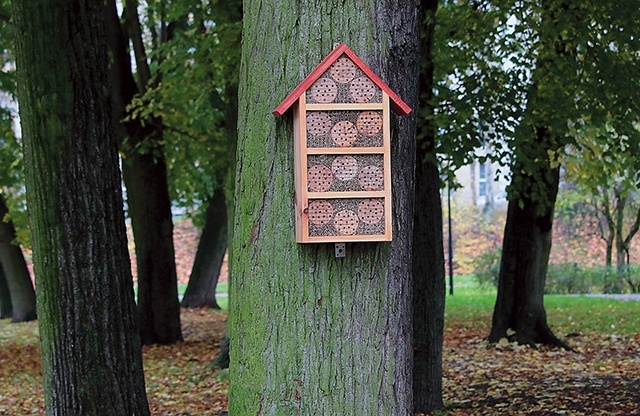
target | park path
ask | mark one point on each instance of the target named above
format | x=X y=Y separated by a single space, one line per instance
x=635 y=297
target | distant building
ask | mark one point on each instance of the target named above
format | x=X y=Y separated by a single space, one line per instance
x=482 y=184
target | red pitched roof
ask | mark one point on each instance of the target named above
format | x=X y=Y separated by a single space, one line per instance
x=399 y=106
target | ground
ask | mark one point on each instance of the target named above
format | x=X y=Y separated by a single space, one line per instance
x=599 y=378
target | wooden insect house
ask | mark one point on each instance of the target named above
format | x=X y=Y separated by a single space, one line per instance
x=342 y=151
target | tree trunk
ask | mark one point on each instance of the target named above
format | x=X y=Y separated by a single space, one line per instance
x=145 y=176
x=623 y=243
x=5 y=297
x=91 y=354
x=201 y=290
x=541 y=136
x=428 y=252
x=150 y=212
x=312 y=334
x=525 y=256
x=23 y=296
x=489 y=203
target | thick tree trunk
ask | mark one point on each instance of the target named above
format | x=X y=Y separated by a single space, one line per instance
x=5 y=297
x=428 y=252
x=201 y=290
x=23 y=295
x=91 y=354
x=312 y=334
x=145 y=176
x=534 y=184
x=525 y=256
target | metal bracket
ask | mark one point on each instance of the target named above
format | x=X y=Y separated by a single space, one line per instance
x=341 y=250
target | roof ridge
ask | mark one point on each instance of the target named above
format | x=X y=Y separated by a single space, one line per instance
x=399 y=106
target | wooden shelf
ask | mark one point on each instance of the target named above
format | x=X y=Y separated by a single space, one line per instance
x=345 y=107
x=347 y=194
x=344 y=150
x=349 y=238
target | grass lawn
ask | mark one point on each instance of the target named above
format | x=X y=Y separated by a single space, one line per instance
x=222 y=294
x=567 y=314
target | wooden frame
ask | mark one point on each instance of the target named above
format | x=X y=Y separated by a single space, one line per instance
x=342 y=149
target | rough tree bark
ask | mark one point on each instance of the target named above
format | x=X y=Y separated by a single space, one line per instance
x=534 y=183
x=428 y=252
x=18 y=278
x=91 y=353
x=145 y=176
x=5 y=297
x=312 y=334
x=201 y=290
x=523 y=268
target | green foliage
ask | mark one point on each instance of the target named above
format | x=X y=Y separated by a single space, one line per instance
x=566 y=278
x=487 y=268
x=574 y=279
x=518 y=77
x=479 y=97
x=12 y=178
x=11 y=165
x=7 y=74
x=194 y=55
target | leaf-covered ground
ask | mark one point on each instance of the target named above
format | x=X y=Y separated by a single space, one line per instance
x=179 y=378
x=601 y=378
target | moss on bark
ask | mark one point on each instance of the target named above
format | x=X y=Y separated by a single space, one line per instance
x=312 y=334
x=91 y=354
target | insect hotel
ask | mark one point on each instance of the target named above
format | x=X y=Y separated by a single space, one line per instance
x=342 y=151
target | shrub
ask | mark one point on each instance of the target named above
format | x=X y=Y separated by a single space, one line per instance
x=572 y=278
x=487 y=268
x=567 y=278
x=564 y=278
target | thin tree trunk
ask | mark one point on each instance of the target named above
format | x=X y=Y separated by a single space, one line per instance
x=623 y=243
x=201 y=290
x=23 y=295
x=91 y=353
x=605 y=225
x=312 y=334
x=428 y=252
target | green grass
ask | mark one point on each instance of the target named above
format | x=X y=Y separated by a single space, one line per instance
x=579 y=314
x=222 y=289
x=566 y=314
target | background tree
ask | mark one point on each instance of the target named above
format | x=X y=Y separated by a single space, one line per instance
x=604 y=166
x=16 y=273
x=17 y=295
x=6 y=308
x=512 y=77
x=145 y=174
x=535 y=178
x=311 y=332
x=567 y=85
x=91 y=354
x=428 y=254
x=200 y=112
